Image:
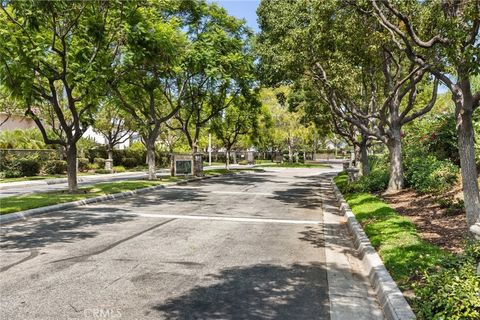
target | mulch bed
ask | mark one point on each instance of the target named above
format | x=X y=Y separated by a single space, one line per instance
x=436 y=227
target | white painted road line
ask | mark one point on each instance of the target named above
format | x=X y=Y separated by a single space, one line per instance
x=196 y=217
x=192 y=217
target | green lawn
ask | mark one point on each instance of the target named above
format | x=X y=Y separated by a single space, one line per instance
x=5 y=180
x=44 y=177
x=36 y=200
x=293 y=165
x=394 y=237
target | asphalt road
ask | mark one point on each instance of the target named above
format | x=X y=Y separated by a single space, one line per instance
x=250 y=246
x=18 y=188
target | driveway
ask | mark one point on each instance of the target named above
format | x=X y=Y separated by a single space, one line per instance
x=250 y=246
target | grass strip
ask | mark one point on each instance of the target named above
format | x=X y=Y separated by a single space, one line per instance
x=405 y=254
x=293 y=165
x=42 y=199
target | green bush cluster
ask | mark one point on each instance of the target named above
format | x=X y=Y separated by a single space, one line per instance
x=452 y=290
x=376 y=181
x=452 y=206
x=83 y=164
x=427 y=174
x=100 y=162
x=13 y=167
x=119 y=169
x=55 y=166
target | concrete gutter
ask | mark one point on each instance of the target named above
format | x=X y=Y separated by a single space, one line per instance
x=22 y=215
x=389 y=295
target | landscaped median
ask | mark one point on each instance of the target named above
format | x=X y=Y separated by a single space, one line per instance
x=42 y=199
x=293 y=165
x=438 y=284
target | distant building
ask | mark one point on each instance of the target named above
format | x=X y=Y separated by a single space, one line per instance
x=101 y=139
x=12 y=122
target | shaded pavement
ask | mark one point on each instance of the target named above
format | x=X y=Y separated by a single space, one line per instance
x=250 y=246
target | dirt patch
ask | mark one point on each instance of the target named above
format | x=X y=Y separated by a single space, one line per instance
x=433 y=224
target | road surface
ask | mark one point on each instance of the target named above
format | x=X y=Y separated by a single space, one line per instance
x=24 y=187
x=250 y=246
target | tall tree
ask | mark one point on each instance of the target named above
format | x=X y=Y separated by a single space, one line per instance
x=237 y=120
x=148 y=82
x=443 y=37
x=218 y=66
x=56 y=53
x=114 y=125
x=365 y=80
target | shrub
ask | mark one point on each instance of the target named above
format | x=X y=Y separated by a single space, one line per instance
x=119 y=169
x=92 y=166
x=14 y=167
x=378 y=162
x=55 y=166
x=102 y=171
x=129 y=162
x=28 y=167
x=376 y=181
x=100 y=162
x=83 y=164
x=451 y=291
x=453 y=206
x=242 y=162
x=427 y=174
x=11 y=173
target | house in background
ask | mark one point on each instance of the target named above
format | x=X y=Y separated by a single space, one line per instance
x=12 y=122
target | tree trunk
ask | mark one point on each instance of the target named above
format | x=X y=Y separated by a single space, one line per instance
x=72 y=167
x=394 y=144
x=364 y=158
x=227 y=159
x=466 y=148
x=110 y=153
x=151 y=160
x=290 y=154
x=234 y=157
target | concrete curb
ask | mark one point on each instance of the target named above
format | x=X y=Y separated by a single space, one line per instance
x=389 y=295
x=23 y=215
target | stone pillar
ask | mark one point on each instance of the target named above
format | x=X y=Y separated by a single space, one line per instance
x=198 y=163
x=250 y=157
x=109 y=164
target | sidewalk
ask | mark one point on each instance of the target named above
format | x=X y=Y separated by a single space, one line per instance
x=89 y=178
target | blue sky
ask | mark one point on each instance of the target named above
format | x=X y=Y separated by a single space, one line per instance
x=245 y=9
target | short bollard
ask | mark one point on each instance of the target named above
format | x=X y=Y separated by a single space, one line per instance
x=475 y=230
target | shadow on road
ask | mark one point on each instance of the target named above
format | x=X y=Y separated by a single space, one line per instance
x=261 y=291
x=54 y=228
